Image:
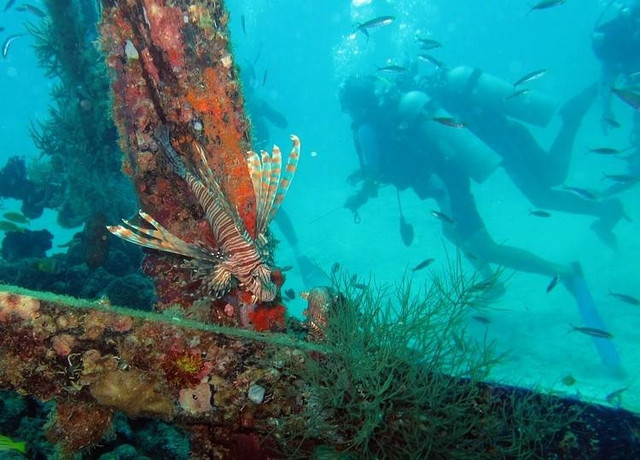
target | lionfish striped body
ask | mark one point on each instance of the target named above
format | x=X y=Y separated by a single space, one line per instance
x=239 y=255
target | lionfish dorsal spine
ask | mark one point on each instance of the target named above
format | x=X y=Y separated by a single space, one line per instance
x=222 y=218
x=287 y=177
x=270 y=182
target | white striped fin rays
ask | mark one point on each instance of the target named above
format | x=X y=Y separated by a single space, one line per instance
x=270 y=182
x=158 y=238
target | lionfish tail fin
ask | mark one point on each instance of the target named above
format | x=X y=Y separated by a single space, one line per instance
x=158 y=238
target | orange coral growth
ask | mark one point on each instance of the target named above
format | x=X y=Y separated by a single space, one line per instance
x=268 y=318
x=214 y=104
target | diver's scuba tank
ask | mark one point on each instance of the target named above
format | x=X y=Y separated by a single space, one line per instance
x=479 y=160
x=485 y=90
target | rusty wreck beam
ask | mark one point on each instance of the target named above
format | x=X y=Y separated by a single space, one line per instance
x=172 y=69
x=94 y=358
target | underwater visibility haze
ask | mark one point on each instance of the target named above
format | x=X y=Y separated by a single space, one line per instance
x=338 y=229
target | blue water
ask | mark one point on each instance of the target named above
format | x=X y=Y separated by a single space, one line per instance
x=308 y=49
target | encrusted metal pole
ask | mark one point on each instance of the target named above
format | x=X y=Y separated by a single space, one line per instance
x=179 y=108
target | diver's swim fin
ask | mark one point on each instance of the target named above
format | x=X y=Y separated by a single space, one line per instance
x=591 y=318
x=312 y=274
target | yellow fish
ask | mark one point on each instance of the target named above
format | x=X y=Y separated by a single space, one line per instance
x=16 y=217
x=6 y=226
x=7 y=445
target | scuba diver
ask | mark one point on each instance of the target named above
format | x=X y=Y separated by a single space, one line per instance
x=491 y=108
x=408 y=140
x=616 y=44
x=261 y=114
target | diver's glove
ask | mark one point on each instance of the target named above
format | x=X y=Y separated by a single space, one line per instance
x=354 y=202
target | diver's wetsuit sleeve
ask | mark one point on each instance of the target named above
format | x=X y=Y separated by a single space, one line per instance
x=467 y=220
x=367 y=146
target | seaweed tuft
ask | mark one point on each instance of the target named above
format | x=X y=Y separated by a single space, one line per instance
x=401 y=378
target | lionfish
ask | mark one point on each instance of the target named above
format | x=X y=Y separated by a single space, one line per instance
x=239 y=258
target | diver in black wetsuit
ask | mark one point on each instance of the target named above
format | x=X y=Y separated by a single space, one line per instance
x=394 y=150
x=406 y=152
x=616 y=44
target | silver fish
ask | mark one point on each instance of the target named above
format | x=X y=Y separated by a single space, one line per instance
x=520 y=92
x=427 y=44
x=628 y=96
x=443 y=217
x=529 y=77
x=371 y=23
x=7 y=44
x=593 y=332
x=625 y=298
x=392 y=69
x=430 y=59
x=423 y=264
x=621 y=178
x=582 y=193
x=544 y=4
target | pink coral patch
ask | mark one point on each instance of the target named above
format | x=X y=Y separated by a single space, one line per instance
x=196 y=400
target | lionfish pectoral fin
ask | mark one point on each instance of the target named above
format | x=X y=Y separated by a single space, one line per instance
x=158 y=238
x=221 y=281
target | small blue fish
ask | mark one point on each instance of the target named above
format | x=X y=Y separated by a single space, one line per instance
x=539 y=213
x=9 y=4
x=31 y=9
x=423 y=264
x=606 y=150
x=621 y=178
x=553 y=283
